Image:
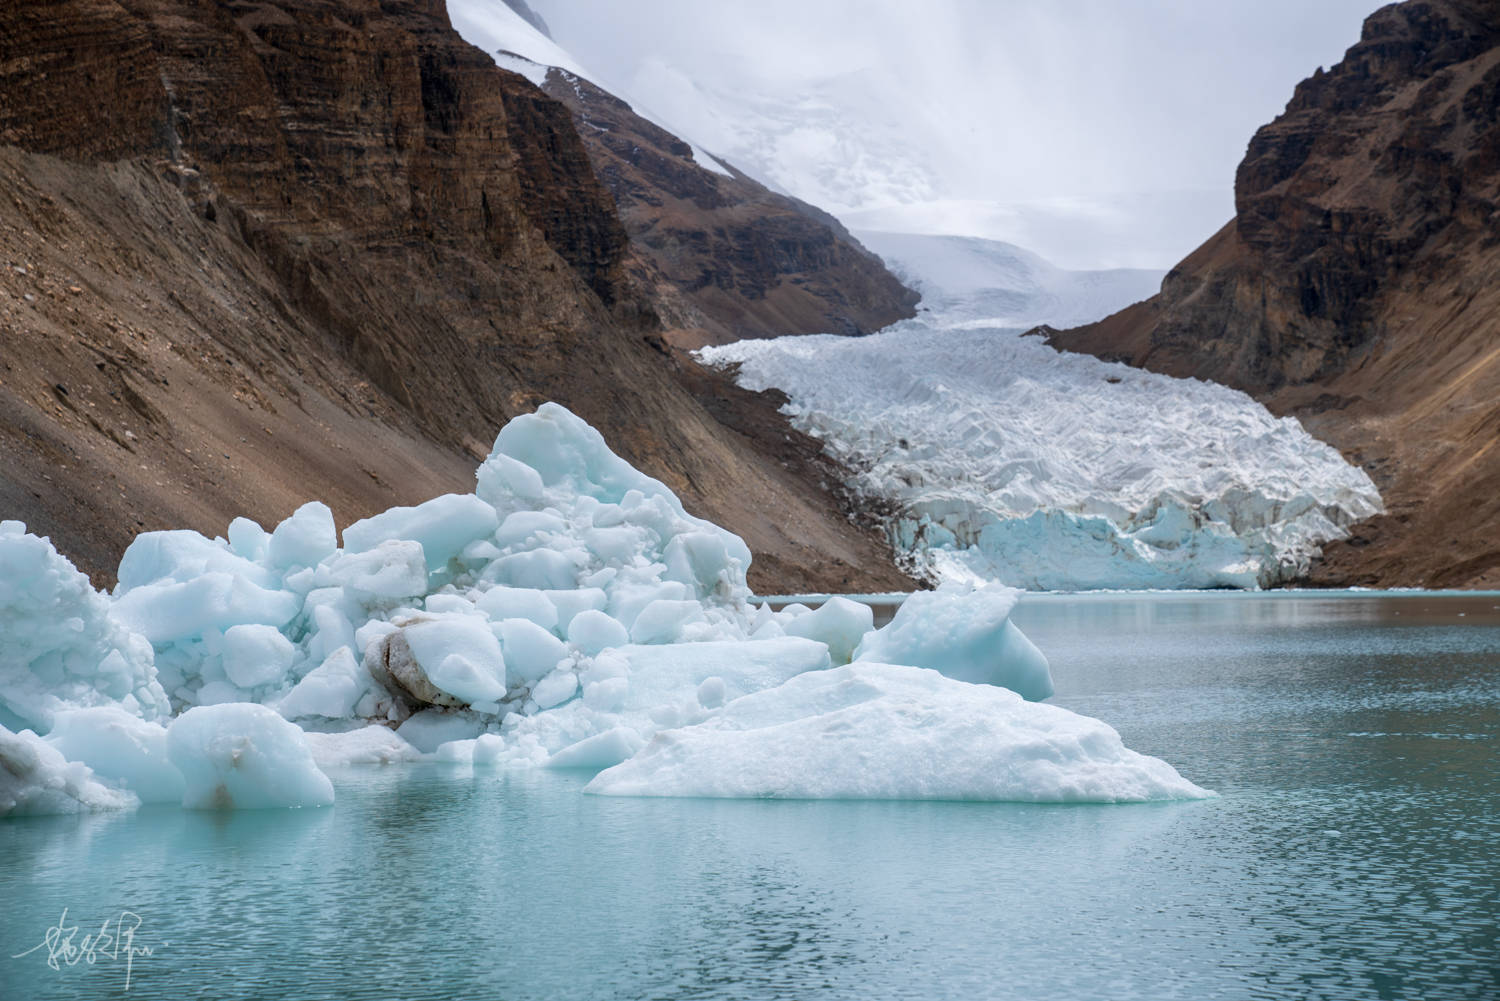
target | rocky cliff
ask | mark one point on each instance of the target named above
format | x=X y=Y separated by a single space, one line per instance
x=261 y=252
x=1355 y=288
x=729 y=258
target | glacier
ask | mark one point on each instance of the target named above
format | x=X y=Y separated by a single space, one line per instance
x=1002 y=459
x=568 y=613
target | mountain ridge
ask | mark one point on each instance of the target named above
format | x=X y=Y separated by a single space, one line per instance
x=1354 y=288
x=260 y=253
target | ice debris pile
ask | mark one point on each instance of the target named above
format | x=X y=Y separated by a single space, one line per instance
x=1006 y=460
x=567 y=614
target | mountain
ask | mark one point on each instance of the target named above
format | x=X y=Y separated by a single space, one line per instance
x=260 y=252
x=1355 y=288
x=727 y=257
x=971 y=281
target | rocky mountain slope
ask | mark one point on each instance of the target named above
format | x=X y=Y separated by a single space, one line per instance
x=1356 y=289
x=725 y=257
x=256 y=253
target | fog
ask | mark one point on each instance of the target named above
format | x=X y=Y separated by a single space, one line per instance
x=1096 y=132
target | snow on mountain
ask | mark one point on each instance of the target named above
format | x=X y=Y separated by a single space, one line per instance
x=1004 y=459
x=519 y=46
x=969 y=282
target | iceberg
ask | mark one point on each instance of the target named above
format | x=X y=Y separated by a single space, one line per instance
x=35 y=778
x=965 y=634
x=244 y=756
x=64 y=645
x=568 y=614
x=883 y=731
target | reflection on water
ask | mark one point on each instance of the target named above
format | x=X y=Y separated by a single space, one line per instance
x=1354 y=740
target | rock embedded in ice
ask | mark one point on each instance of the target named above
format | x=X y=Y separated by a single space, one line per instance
x=459 y=655
x=35 y=778
x=881 y=731
x=122 y=749
x=964 y=634
x=61 y=644
x=244 y=756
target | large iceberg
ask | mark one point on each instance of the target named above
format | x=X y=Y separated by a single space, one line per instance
x=883 y=731
x=567 y=614
x=60 y=645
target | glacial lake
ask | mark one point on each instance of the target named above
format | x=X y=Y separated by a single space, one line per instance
x=1354 y=739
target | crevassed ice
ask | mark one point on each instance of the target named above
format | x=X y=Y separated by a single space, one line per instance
x=1004 y=459
x=563 y=615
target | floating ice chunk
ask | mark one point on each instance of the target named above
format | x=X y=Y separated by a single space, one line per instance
x=167 y=612
x=602 y=750
x=966 y=635
x=531 y=652
x=443 y=526
x=35 y=778
x=256 y=655
x=396 y=568
x=331 y=689
x=662 y=621
x=460 y=655
x=305 y=539
x=839 y=622
x=879 y=731
x=244 y=756
x=488 y=748
x=61 y=646
x=371 y=745
x=502 y=602
x=181 y=556
x=592 y=631
x=120 y=748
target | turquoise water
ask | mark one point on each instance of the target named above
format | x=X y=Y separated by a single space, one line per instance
x=1352 y=853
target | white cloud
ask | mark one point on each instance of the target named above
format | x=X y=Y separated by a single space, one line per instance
x=1096 y=131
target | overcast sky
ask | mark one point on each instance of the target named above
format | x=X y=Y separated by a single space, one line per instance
x=1096 y=132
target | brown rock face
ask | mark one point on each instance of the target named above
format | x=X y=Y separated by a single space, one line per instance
x=254 y=253
x=1356 y=289
x=728 y=258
